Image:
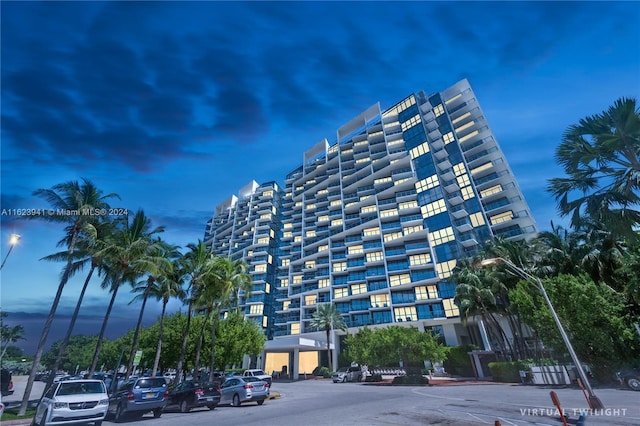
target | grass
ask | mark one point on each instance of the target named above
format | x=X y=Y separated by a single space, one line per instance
x=12 y=414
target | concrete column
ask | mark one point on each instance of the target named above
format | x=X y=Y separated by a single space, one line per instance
x=483 y=334
x=334 y=352
x=296 y=364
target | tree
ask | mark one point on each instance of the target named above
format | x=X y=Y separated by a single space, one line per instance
x=73 y=204
x=9 y=334
x=601 y=156
x=328 y=318
x=237 y=336
x=129 y=252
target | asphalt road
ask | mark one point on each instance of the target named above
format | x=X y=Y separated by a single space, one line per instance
x=321 y=402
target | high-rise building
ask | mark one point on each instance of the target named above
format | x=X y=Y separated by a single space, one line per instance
x=373 y=223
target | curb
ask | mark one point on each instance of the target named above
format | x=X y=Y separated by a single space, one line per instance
x=16 y=422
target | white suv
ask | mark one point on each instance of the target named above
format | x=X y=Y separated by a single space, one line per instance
x=259 y=374
x=71 y=402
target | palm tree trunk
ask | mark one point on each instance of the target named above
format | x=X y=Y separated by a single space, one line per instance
x=47 y=325
x=503 y=335
x=214 y=322
x=134 y=345
x=96 y=354
x=72 y=324
x=199 y=347
x=156 y=362
x=183 y=349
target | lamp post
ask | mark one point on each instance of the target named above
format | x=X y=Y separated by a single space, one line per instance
x=593 y=400
x=13 y=240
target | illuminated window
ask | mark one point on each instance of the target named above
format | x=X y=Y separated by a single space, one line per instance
x=323 y=218
x=453 y=98
x=411 y=229
x=375 y=256
x=433 y=209
x=502 y=217
x=285 y=305
x=382 y=180
x=347 y=151
x=448 y=137
x=362 y=160
x=311 y=206
x=426 y=292
x=265 y=216
x=265 y=321
x=408 y=205
x=444 y=268
x=285 y=262
x=272 y=233
x=396 y=280
x=310 y=233
x=297 y=279
x=462 y=117
x=465 y=126
x=392 y=236
x=438 y=110
x=336 y=202
x=399 y=181
x=323 y=248
x=360 y=143
x=420 y=259
x=250 y=253
x=356 y=249
x=336 y=222
x=339 y=266
x=268 y=193
x=467 y=193
x=340 y=292
x=379 y=300
x=368 y=209
x=324 y=282
x=284 y=282
x=450 y=308
x=427 y=183
x=469 y=136
x=310 y=299
x=264 y=240
x=490 y=191
x=371 y=231
x=256 y=309
x=297 y=238
x=261 y=268
x=295 y=328
x=298 y=203
x=463 y=180
x=287 y=234
x=323 y=191
x=267 y=288
x=389 y=213
x=309 y=264
x=406 y=125
x=485 y=166
x=405 y=313
x=358 y=289
x=288 y=226
x=441 y=236
x=477 y=219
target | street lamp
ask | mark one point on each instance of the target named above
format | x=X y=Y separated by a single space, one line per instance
x=13 y=240
x=593 y=400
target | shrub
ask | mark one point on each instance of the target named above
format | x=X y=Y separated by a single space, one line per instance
x=508 y=372
x=458 y=361
x=413 y=379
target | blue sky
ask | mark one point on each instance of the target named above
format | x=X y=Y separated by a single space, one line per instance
x=176 y=105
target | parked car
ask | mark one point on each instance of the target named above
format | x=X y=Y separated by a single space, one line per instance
x=72 y=402
x=237 y=390
x=6 y=384
x=347 y=374
x=260 y=374
x=137 y=396
x=630 y=377
x=192 y=394
x=1 y=407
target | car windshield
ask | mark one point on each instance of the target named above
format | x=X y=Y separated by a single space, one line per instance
x=252 y=379
x=77 y=388
x=258 y=372
x=155 y=382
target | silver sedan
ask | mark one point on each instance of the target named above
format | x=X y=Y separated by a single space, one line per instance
x=237 y=390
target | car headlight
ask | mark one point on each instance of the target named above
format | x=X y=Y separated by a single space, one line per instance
x=60 y=405
x=103 y=402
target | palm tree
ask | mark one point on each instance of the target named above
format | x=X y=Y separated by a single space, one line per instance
x=165 y=287
x=159 y=264
x=198 y=266
x=129 y=252
x=328 y=317
x=601 y=156
x=9 y=334
x=74 y=205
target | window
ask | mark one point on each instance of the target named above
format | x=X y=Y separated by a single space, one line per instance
x=322 y=283
x=438 y=110
x=448 y=137
x=389 y=213
x=465 y=126
x=297 y=238
x=323 y=248
x=382 y=180
x=336 y=203
x=358 y=289
x=261 y=268
x=285 y=262
x=355 y=249
x=287 y=234
x=396 y=280
x=256 y=309
x=309 y=264
x=368 y=209
x=336 y=222
x=444 y=268
x=310 y=300
x=375 y=256
x=340 y=292
x=311 y=206
x=467 y=192
x=420 y=259
x=264 y=240
x=441 y=236
x=392 y=236
x=485 y=166
x=426 y=292
x=295 y=328
x=450 y=308
x=502 y=217
x=462 y=117
x=284 y=282
x=469 y=136
x=371 y=231
x=408 y=205
x=427 y=183
x=411 y=229
x=379 y=300
x=490 y=191
x=297 y=279
x=323 y=218
x=477 y=219
x=433 y=209
x=406 y=313
x=339 y=266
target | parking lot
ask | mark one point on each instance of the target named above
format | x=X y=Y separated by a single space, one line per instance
x=321 y=402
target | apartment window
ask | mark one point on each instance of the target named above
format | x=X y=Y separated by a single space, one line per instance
x=438 y=110
x=469 y=136
x=288 y=226
x=465 y=126
x=389 y=213
x=478 y=169
x=363 y=160
x=502 y=217
x=340 y=292
x=419 y=150
x=477 y=219
x=462 y=117
x=396 y=280
x=375 y=256
x=323 y=191
x=426 y=292
x=310 y=299
x=358 y=289
x=371 y=231
x=368 y=209
x=297 y=238
x=336 y=202
x=299 y=203
x=379 y=300
x=323 y=218
x=427 y=183
x=256 y=309
x=309 y=264
x=311 y=206
x=441 y=236
x=339 y=266
x=405 y=313
x=284 y=282
x=261 y=268
x=490 y=191
x=406 y=125
x=285 y=305
x=420 y=259
x=459 y=95
x=448 y=137
x=392 y=236
x=467 y=193
x=336 y=222
x=444 y=268
x=263 y=240
x=408 y=205
x=311 y=233
x=450 y=308
x=323 y=248
x=382 y=180
x=297 y=279
x=265 y=216
x=324 y=282
x=285 y=262
x=433 y=209
x=360 y=143
x=411 y=229
x=356 y=249
x=295 y=328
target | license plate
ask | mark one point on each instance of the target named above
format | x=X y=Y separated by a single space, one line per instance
x=151 y=395
x=209 y=398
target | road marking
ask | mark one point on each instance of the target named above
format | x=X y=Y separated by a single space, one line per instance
x=476 y=417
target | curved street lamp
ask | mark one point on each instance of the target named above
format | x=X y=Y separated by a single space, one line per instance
x=592 y=399
x=13 y=240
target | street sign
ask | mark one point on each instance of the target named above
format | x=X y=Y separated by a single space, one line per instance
x=137 y=358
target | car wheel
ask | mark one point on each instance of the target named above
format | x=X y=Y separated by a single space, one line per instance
x=344 y=380
x=260 y=401
x=98 y=423
x=119 y=416
x=236 y=400
x=211 y=407
x=184 y=406
x=634 y=383
x=157 y=412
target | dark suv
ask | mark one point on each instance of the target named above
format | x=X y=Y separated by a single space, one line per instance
x=137 y=396
x=5 y=382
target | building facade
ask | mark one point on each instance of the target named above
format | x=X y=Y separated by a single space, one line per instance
x=373 y=223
